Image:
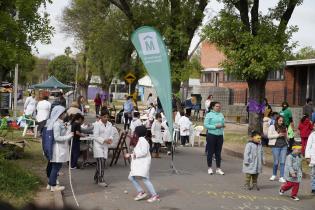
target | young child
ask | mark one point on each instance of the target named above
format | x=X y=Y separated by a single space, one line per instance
x=135 y=122
x=167 y=138
x=184 y=127
x=310 y=157
x=140 y=166
x=77 y=121
x=156 y=131
x=103 y=136
x=293 y=172
x=305 y=128
x=253 y=160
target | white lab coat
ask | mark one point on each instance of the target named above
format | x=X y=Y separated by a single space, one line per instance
x=43 y=110
x=135 y=123
x=177 y=117
x=184 y=126
x=101 y=133
x=29 y=105
x=115 y=138
x=166 y=134
x=151 y=113
x=156 y=132
x=310 y=148
x=140 y=166
x=61 y=146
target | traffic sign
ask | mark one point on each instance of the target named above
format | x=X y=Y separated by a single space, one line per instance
x=130 y=78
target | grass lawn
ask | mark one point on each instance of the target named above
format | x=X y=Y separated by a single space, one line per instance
x=21 y=179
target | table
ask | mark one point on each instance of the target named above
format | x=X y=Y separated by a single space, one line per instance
x=89 y=140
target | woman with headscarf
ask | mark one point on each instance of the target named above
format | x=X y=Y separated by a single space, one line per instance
x=60 y=150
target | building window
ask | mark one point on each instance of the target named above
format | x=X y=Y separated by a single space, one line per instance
x=207 y=77
x=230 y=78
x=276 y=75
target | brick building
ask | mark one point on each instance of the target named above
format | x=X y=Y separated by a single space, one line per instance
x=294 y=83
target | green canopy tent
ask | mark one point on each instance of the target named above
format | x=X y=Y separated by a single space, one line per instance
x=51 y=83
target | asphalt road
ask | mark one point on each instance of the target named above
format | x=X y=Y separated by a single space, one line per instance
x=194 y=189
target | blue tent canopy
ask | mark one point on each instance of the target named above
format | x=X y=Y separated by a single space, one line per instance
x=51 y=83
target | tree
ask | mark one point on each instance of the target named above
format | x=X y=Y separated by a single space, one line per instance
x=305 y=53
x=63 y=68
x=254 y=44
x=177 y=20
x=21 y=25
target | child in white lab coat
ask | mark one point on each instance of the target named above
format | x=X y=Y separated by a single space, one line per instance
x=184 y=127
x=167 y=138
x=156 y=131
x=140 y=166
x=135 y=122
x=103 y=137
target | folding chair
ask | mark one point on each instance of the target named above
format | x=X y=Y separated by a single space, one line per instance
x=121 y=148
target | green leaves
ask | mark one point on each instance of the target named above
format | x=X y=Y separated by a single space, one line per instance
x=249 y=56
x=21 y=25
x=63 y=68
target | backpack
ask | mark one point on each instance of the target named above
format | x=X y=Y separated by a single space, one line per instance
x=48 y=142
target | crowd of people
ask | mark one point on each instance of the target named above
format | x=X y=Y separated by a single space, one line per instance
x=151 y=130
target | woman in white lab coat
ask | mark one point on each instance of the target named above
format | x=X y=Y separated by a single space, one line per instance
x=156 y=131
x=30 y=104
x=62 y=135
x=103 y=136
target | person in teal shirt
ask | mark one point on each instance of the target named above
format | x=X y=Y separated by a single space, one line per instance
x=214 y=123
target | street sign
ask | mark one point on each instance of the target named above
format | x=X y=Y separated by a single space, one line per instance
x=130 y=78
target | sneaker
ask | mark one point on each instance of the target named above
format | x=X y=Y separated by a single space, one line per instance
x=103 y=184
x=282 y=180
x=281 y=192
x=48 y=187
x=219 y=171
x=140 y=196
x=169 y=153
x=57 y=188
x=57 y=182
x=154 y=198
x=273 y=178
x=210 y=171
x=73 y=168
x=295 y=198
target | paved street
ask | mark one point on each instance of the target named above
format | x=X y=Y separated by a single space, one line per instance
x=194 y=190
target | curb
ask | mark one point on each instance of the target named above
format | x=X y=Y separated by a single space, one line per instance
x=58 y=200
x=269 y=164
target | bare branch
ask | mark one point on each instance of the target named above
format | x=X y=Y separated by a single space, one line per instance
x=242 y=7
x=254 y=15
x=286 y=16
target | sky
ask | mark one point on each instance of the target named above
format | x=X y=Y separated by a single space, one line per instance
x=303 y=17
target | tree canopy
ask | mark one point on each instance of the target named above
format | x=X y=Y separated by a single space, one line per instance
x=21 y=25
x=63 y=68
x=254 y=44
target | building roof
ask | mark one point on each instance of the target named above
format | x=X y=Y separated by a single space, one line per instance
x=145 y=81
x=300 y=62
x=212 y=69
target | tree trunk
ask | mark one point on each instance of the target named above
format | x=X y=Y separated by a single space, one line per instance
x=256 y=93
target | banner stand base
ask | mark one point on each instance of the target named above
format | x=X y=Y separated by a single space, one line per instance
x=173 y=170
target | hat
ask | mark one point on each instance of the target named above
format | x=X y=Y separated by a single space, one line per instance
x=297 y=147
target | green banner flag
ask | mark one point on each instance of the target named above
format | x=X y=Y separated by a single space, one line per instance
x=153 y=53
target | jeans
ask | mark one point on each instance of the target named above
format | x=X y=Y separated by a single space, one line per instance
x=184 y=140
x=214 y=147
x=75 y=153
x=146 y=182
x=128 y=119
x=48 y=169
x=55 y=168
x=279 y=155
x=97 y=109
x=156 y=147
x=313 y=178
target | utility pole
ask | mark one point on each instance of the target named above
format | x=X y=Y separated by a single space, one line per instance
x=16 y=77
